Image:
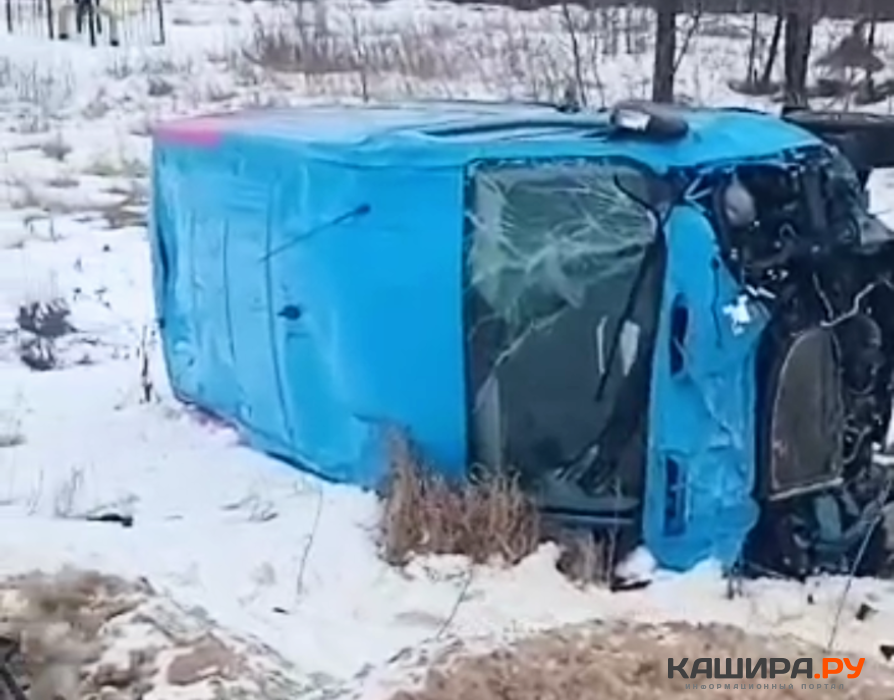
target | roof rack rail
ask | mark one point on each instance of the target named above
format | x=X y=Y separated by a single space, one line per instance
x=598 y=124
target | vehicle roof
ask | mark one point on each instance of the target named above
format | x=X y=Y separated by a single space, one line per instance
x=458 y=131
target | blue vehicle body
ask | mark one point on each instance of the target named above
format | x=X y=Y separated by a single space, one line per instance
x=310 y=283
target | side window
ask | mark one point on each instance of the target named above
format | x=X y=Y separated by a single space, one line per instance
x=543 y=234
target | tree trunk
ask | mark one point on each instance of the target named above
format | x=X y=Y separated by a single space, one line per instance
x=773 y=51
x=798 y=39
x=665 y=51
x=870 y=42
x=751 y=71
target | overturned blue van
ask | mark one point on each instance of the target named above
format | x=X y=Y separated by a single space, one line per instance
x=667 y=321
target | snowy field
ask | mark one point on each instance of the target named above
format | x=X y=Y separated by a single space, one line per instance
x=275 y=558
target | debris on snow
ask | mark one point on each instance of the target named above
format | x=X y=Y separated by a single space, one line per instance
x=82 y=633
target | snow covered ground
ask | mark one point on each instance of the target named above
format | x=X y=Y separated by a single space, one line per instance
x=266 y=552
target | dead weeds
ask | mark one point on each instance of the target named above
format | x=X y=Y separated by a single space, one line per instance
x=484 y=518
x=487 y=518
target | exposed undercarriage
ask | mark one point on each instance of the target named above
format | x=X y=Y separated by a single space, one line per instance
x=798 y=237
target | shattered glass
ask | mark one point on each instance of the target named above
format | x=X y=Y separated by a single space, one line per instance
x=544 y=234
x=562 y=314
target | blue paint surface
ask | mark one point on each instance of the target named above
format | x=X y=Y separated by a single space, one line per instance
x=308 y=275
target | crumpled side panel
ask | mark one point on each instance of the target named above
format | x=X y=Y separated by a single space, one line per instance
x=701 y=464
x=309 y=302
x=189 y=279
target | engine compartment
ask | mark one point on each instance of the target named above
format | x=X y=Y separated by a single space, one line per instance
x=798 y=235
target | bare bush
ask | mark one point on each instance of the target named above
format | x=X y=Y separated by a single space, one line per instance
x=484 y=518
x=40 y=325
x=56 y=148
x=32 y=83
x=66 y=496
x=290 y=46
x=279 y=46
x=11 y=439
x=487 y=517
x=503 y=57
x=586 y=556
x=45 y=319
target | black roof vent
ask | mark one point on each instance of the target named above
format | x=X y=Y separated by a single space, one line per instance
x=651 y=120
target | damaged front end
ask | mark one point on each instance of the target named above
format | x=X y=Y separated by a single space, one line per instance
x=700 y=360
x=820 y=265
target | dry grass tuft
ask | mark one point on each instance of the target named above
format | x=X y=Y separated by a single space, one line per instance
x=586 y=557
x=484 y=519
x=293 y=46
x=359 y=54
